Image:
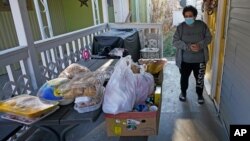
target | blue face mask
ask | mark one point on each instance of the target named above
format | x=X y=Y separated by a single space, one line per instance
x=189 y=21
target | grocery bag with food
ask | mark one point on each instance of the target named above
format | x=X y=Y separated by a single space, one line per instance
x=144 y=86
x=120 y=95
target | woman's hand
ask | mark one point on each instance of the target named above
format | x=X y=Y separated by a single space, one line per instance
x=195 y=47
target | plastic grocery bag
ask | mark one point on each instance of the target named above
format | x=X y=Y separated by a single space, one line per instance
x=144 y=86
x=120 y=93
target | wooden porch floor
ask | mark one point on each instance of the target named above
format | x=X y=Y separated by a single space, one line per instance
x=179 y=121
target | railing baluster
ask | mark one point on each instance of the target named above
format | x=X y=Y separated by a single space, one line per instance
x=87 y=42
x=52 y=52
x=84 y=42
x=91 y=38
x=76 y=50
x=80 y=43
x=60 y=51
x=74 y=46
x=22 y=67
x=11 y=76
x=68 y=51
x=48 y=56
x=43 y=59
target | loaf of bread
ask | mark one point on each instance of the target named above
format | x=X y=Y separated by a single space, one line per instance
x=82 y=85
x=77 y=92
x=73 y=70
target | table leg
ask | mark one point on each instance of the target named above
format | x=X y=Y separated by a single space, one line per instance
x=50 y=130
x=66 y=130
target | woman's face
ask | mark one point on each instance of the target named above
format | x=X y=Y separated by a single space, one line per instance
x=188 y=14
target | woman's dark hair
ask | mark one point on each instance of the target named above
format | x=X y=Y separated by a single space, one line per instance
x=191 y=9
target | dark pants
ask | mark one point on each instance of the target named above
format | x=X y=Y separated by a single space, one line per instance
x=199 y=72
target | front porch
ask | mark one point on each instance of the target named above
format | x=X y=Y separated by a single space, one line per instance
x=179 y=121
x=32 y=63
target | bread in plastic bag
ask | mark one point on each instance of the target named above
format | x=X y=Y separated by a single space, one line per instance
x=83 y=84
x=120 y=95
x=87 y=104
x=72 y=70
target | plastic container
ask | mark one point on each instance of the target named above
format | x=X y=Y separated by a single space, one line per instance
x=25 y=120
x=86 y=109
x=27 y=106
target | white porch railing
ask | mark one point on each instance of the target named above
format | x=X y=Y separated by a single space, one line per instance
x=55 y=54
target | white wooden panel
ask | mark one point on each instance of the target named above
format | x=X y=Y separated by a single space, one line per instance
x=236 y=80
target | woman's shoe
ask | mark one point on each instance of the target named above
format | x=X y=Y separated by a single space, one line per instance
x=182 y=97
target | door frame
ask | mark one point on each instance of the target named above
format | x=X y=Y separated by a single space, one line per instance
x=219 y=51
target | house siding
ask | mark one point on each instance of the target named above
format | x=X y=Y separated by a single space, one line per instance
x=235 y=89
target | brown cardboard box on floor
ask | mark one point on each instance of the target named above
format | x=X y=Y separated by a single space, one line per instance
x=133 y=123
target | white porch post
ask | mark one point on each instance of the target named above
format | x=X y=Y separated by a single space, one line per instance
x=137 y=11
x=39 y=18
x=51 y=34
x=48 y=18
x=95 y=11
x=25 y=38
x=148 y=11
x=105 y=11
x=42 y=27
x=121 y=5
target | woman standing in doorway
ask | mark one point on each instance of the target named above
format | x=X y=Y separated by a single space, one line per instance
x=191 y=40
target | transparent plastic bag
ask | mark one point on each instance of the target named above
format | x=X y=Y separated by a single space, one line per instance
x=120 y=91
x=117 y=52
x=73 y=70
x=83 y=84
x=87 y=104
x=50 y=91
x=144 y=86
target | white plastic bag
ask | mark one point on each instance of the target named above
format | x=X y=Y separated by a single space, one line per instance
x=120 y=93
x=144 y=86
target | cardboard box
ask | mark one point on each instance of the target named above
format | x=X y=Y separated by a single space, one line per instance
x=158 y=78
x=157 y=95
x=133 y=123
